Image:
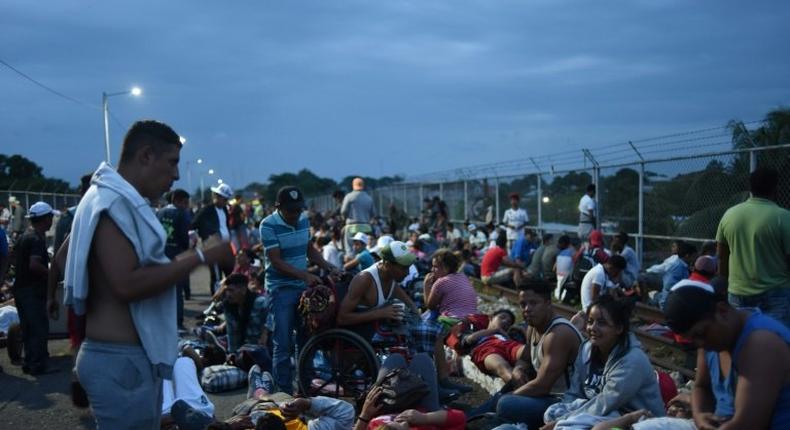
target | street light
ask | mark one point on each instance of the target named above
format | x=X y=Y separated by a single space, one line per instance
x=219 y=181
x=135 y=91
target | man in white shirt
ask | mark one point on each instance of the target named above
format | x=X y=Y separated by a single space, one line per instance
x=587 y=206
x=453 y=233
x=632 y=266
x=601 y=279
x=515 y=219
x=477 y=238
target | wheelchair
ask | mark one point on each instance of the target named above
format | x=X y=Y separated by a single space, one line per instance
x=342 y=362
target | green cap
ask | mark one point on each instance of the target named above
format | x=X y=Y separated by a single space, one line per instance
x=398 y=253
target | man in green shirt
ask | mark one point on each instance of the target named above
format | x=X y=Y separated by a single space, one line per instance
x=754 y=249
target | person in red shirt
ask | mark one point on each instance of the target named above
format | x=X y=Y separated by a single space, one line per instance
x=491 y=269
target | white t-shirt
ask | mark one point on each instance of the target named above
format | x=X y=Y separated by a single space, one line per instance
x=596 y=275
x=332 y=255
x=453 y=234
x=515 y=220
x=631 y=262
x=586 y=205
x=223 y=224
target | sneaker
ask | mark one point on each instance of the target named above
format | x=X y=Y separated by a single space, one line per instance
x=259 y=383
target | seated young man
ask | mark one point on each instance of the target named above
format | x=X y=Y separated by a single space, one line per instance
x=493 y=351
x=542 y=372
x=602 y=279
x=369 y=303
x=361 y=259
x=758 y=346
x=497 y=268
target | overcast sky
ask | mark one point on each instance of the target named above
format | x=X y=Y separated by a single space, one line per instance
x=381 y=87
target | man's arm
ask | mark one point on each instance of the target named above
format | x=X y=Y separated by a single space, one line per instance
x=131 y=282
x=434 y=295
x=507 y=262
x=703 y=403
x=558 y=346
x=760 y=378
x=474 y=337
x=273 y=254
x=723 y=252
x=346 y=314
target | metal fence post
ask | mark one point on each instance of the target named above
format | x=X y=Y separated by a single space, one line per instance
x=419 y=207
x=466 y=200
x=381 y=204
x=752 y=161
x=496 y=201
x=441 y=190
x=639 y=240
x=540 y=203
x=405 y=199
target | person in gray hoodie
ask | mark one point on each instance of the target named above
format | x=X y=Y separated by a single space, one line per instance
x=611 y=375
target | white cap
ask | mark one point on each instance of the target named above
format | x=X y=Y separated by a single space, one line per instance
x=13 y=199
x=223 y=190
x=361 y=237
x=39 y=209
x=381 y=243
x=472 y=227
x=424 y=236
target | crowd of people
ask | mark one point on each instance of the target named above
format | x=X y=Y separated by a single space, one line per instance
x=407 y=284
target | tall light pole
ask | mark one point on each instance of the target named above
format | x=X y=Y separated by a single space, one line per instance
x=135 y=91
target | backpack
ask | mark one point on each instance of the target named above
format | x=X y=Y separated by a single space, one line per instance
x=401 y=390
x=584 y=263
x=318 y=307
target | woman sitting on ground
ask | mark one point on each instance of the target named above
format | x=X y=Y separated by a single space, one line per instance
x=447 y=291
x=758 y=346
x=611 y=376
x=427 y=414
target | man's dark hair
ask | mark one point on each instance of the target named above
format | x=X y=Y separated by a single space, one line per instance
x=687 y=306
x=708 y=247
x=564 y=240
x=237 y=279
x=537 y=286
x=504 y=311
x=159 y=136
x=501 y=239
x=270 y=422
x=623 y=236
x=547 y=238
x=686 y=249
x=324 y=240
x=617 y=261
x=450 y=225
x=178 y=195
x=219 y=425
x=763 y=182
x=591 y=187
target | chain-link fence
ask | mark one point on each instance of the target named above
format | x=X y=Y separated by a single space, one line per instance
x=58 y=201
x=655 y=201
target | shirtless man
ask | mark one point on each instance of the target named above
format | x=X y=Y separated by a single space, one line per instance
x=117 y=274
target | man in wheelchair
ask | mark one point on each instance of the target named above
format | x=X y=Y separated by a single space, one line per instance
x=378 y=309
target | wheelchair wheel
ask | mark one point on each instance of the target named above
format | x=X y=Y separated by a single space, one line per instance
x=337 y=363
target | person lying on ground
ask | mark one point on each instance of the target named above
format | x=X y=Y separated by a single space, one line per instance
x=426 y=414
x=759 y=350
x=611 y=375
x=265 y=409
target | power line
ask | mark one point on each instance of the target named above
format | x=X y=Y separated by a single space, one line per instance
x=51 y=90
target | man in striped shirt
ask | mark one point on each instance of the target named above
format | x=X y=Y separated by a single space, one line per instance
x=286 y=240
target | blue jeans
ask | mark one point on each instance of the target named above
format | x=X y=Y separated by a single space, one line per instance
x=775 y=303
x=31 y=305
x=524 y=409
x=285 y=318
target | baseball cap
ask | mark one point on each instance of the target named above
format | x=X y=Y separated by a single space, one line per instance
x=381 y=243
x=361 y=237
x=223 y=190
x=705 y=264
x=39 y=209
x=398 y=253
x=471 y=227
x=290 y=198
